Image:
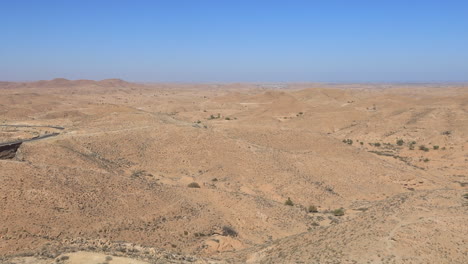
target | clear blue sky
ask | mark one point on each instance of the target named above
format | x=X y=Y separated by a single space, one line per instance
x=235 y=40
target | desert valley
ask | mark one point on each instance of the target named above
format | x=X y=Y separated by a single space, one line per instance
x=118 y=172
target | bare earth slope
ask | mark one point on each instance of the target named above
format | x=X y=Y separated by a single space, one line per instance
x=115 y=180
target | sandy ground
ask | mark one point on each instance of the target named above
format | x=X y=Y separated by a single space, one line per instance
x=115 y=181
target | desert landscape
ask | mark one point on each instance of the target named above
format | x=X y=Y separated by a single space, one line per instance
x=117 y=172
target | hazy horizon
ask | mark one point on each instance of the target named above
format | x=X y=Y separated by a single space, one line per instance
x=256 y=82
x=241 y=41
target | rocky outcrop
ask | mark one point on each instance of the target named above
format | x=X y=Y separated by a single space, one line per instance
x=8 y=151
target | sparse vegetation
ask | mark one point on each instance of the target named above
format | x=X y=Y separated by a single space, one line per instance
x=423 y=148
x=315 y=224
x=258 y=159
x=198 y=234
x=329 y=189
x=312 y=209
x=137 y=174
x=214 y=117
x=193 y=185
x=229 y=231
x=338 y=212
x=446 y=133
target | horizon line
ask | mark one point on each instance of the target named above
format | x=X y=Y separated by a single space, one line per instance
x=242 y=82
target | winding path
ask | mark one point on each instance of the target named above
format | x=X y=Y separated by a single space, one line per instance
x=19 y=142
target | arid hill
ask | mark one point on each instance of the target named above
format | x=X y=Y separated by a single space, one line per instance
x=64 y=83
x=233 y=173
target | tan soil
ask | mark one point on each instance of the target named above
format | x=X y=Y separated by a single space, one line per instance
x=115 y=181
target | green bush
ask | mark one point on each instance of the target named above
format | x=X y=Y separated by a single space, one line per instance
x=312 y=209
x=400 y=142
x=229 y=231
x=435 y=147
x=199 y=234
x=289 y=202
x=424 y=148
x=338 y=212
x=193 y=185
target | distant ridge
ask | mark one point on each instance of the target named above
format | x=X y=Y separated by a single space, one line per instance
x=65 y=83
